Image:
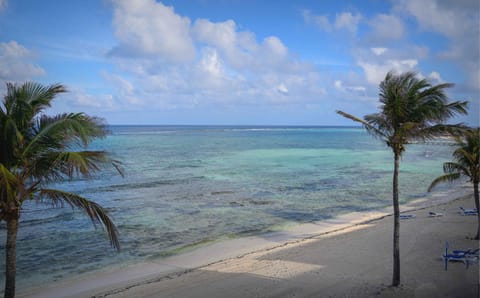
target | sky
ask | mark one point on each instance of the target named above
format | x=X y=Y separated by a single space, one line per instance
x=237 y=62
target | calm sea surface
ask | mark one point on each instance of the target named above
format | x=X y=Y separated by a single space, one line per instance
x=189 y=185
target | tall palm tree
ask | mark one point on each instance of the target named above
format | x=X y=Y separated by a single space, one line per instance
x=411 y=109
x=466 y=164
x=35 y=150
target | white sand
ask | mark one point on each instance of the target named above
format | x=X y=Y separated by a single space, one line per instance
x=350 y=256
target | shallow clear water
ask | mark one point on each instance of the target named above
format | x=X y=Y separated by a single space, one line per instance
x=190 y=184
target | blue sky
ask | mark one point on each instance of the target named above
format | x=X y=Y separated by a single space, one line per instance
x=237 y=61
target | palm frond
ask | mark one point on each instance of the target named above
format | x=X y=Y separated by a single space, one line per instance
x=369 y=127
x=465 y=157
x=36 y=95
x=94 y=211
x=65 y=131
x=427 y=132
x=57 y=165
x=445 y=178
x=8 y=182
x=453 y=167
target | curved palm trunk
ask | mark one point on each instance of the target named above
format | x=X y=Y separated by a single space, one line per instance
x=477 y=203
x=11 y=268
x=396 y=224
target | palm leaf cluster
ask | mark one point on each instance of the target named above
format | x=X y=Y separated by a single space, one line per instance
x=466 y=159
x=466 y=163
x=37 y=149
x=411 y=109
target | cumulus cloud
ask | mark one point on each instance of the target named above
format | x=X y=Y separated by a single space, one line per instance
x=375 y=72
x=343 y=21
x=338 y=84
x=386 y=27
x=459 y=22
x=348 y=21
x=282 y=89
x=435 y=76
x=378 y=51
x=148 y=28
x=17 y=62
x=321 y=21
x=202 y=62
x=377 y=62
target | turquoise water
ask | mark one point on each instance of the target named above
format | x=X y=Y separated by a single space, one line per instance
x=190 y=184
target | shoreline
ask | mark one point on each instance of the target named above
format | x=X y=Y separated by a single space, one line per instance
x=118 y=281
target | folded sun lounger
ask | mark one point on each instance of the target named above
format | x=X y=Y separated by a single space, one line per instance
x=407 y=216
x=468 y=211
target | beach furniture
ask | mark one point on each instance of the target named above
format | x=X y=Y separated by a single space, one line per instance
x=467 y=256
x=468 y=211
x=407 y=216
x=434 y=214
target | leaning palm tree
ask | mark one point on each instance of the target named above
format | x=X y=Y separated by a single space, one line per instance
x=35 y=150
x=466 y=164
x=411 y=109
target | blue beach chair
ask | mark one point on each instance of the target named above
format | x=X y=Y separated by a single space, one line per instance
x=468 y=211
x=465 y=256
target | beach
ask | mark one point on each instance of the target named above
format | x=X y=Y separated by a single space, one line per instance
x=348 y=256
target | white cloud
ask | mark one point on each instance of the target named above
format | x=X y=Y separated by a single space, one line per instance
x=432 y=15
x=375 y=71
x=435 y=76
x=348 y=21
x=338 y=84
x=343 y=21
x=386 y=27
x=3 y=5
x=458 y=21
x=230 y=65
x=211 y=64
x=282 y=89
x=17 y=63
x=151 y=29
x=378 y=51
x=321 y=21
x=81 y=99
x=377 y=62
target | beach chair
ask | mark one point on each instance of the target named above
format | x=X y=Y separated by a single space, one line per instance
x=468 y=211
x=434 y=214
x=407 y=216
x=467 y=256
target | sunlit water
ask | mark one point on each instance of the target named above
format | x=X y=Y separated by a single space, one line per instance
x=190 y=185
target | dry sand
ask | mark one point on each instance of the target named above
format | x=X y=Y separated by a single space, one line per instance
x=350 y=256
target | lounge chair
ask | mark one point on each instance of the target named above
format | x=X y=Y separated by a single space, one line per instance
x=468 y=211
x=407 y=216
x=434 y=214
x=465 y=256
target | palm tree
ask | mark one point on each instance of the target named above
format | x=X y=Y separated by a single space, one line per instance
x=466 y=164
x=411 y=109
x=36 y=149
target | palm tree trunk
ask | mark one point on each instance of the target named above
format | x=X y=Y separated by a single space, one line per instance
x=396 y=224
x=477 y=203
x=11 y=268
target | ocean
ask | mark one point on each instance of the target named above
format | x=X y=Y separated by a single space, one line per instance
x=185 y=186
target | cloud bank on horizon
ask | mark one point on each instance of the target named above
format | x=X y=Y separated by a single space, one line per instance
x=245 y=62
